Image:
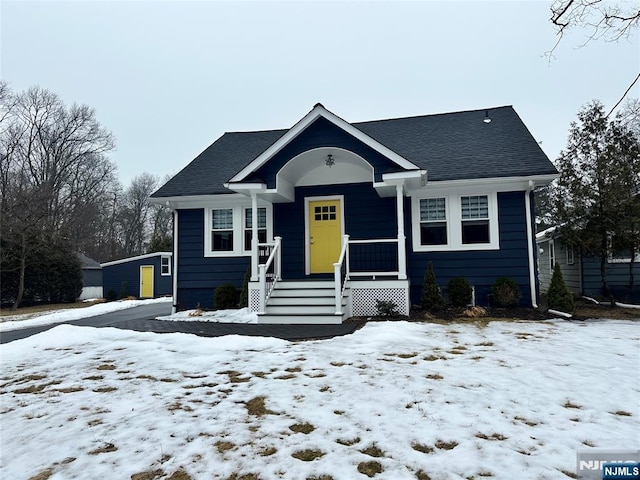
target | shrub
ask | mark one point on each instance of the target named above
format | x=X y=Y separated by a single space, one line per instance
x=460 y=292
x=225 y=296
x=559 y=296
x=244 y=294
x=432 y=298
x=387 y=308
x=506 y=292
x=123 y=290
x=111 y=295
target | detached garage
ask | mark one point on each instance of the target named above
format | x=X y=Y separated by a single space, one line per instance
x=144 y=276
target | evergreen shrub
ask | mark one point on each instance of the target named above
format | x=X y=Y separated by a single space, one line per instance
x=225 y=296
x=460 y=292
x=506 y=292
x=432 y=298
x=559 y=297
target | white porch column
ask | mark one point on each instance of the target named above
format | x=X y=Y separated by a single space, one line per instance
x=254 y=237
x=402 y=250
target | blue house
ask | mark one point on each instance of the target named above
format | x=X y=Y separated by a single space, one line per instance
x=143 y=276
x=330 y=217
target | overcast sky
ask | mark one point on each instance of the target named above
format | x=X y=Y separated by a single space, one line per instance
x=168 y=78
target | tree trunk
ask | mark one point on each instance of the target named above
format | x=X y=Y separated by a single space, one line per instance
x=23 y=267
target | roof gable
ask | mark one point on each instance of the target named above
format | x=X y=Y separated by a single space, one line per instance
x=319 y=112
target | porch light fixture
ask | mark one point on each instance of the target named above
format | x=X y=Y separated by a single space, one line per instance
x=329 y=161
x=486 y=117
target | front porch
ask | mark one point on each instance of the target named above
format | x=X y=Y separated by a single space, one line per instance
x=367 y=272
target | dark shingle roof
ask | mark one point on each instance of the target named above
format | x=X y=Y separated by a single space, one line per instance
x=450 y=146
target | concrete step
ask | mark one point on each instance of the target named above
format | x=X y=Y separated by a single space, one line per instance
x=305 y=284
x=300 y=318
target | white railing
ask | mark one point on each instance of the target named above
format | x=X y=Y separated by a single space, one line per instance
x=341 y=272
x=376 y=259
x=270 y=272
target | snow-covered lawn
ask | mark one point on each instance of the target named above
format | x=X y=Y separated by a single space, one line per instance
x=501 y=400
x=15 y=322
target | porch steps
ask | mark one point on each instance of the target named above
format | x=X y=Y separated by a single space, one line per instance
x=305 y=302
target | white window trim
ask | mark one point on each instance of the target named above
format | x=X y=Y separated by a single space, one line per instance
x=238 y=228
x=571 y=255
x=552 y=255
x=453 y=208
x=168 y=258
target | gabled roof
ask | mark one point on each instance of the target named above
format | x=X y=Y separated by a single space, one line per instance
x=450 y=146
x=88 y=263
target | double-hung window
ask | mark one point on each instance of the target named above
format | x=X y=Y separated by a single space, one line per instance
x=475 y=219
x=450 y=222
x=222 y=229
x=248 y=226
x=433 y=221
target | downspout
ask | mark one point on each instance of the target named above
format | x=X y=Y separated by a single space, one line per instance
x=174 y=307
x=530 y=240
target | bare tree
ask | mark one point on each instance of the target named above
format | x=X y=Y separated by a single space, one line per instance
x=53 y=169
x=606 y=20
x=603 y=19
x=136 y=213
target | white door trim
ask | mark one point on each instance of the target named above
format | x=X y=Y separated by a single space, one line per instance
x=153 y=277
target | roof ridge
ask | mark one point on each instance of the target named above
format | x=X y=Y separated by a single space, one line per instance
x=435 y=114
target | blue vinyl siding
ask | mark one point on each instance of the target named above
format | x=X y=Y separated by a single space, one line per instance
x=481 y=268
x=198 y=276
x=617 y=278
x=323 y=133
x=114 y=275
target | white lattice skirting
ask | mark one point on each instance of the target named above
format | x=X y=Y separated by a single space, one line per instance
x=365 y=295
x=254 y=299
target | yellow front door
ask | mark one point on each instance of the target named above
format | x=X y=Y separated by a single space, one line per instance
x=146 y=281
x=325 y=232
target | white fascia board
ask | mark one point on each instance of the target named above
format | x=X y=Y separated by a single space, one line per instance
x=197 y=201
x=139 y=257
x=308 y=119
x=400 y=177
x=246 y=187
x=497 y=184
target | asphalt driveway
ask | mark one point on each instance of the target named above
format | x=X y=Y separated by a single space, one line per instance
x=142 y=319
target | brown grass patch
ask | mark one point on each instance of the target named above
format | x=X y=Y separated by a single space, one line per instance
x=256 y=407
x=179 y=475
x=435 y=376
x=568 y=404
x=420 y=447
x=235 y=376
x=493 y=436
x=373 y=451
x=308 y=455
x=43 y=475
x=106 y=448
x=106 y=366
x=370 y=469
x=531 y=423
x=421 y=475
x=148 y=475
x=37 y=388
x=622 y=413
x=305 y=428
x=268 y=451
x=94 y=377
x=348 y=442
x=104 y=389
x=286 y=376
x=223 y=446
x=442 y=445
x=68 y=389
